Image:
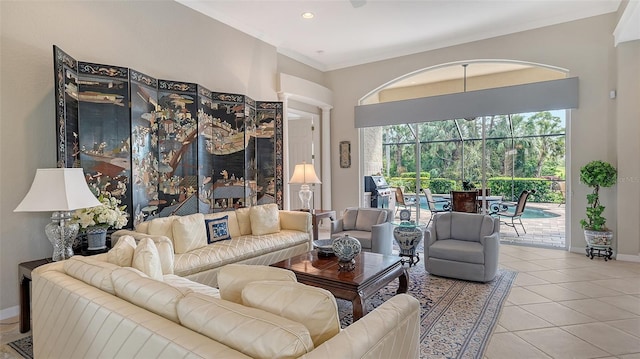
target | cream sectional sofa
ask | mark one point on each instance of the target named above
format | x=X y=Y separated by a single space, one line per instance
x=87 y=307
x=259 y=235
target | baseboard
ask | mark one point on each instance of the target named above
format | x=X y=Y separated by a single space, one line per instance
x=628 y=257
x=9 y=312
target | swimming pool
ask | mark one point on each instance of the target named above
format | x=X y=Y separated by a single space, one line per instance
x=529 y=212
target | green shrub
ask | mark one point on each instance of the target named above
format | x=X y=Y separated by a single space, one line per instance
x=501 y=186
x=441 y=185
x=408 y=184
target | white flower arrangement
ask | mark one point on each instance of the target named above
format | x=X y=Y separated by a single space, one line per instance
x=105 y=216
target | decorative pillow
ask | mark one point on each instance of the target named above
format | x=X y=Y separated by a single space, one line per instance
x=265 y=219
x=232 y=278
x=217 y=229
x=244 y=220
x=314 y=307
x=232 y=221
x=122 y=253
x=161 y=226
x=349 y=218
x=189 y=233
x=369 y=217
x=147 y=260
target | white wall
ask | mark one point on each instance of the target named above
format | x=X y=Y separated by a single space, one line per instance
x=585 y=47
x=160 y=38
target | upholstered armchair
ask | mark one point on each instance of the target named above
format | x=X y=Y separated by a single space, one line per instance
x=463 y=245
x=371 y=226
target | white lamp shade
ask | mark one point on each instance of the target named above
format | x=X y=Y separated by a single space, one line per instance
x=304 y=173
x=58 y=189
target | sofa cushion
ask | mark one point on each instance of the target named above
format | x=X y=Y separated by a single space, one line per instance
x=217 y=229
x=236 y=250
x=122 y=253
x=234 y=228
x=189 y=233
x=349 y=218
x=161 y=226
x=457 y=250
x=233 y=278
x=467 y=226
x=165 y=251
x=91 y=271
x=184 y=283
x=314 y=307
x=265 y=219
x=147 y=260
x=254 y=332
x=369 y=217
x=244 y=220
x=136 y=287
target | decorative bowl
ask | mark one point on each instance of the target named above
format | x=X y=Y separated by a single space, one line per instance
x=324 y=247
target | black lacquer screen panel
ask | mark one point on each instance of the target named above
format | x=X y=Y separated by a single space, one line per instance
x=166 y=147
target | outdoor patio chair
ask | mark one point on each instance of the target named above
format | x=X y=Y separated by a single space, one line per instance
x=431 y=203
x=501 y=209
x=404 y=201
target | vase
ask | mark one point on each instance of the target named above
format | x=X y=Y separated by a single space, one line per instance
x=96 y=238
x=408 y=236
x=346 y=248
x=598 y=238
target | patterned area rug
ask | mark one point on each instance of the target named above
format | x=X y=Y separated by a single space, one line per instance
x=457 y=317
x=23 y=347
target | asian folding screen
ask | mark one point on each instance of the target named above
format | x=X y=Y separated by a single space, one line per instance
x=166 y=147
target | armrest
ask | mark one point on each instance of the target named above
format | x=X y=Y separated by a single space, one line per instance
x=491 y=246
x=381 y=238
x=337 y=226
x=378 y=333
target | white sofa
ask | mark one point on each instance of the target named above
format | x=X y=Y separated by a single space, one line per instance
x=259 y=235
x=86 y=307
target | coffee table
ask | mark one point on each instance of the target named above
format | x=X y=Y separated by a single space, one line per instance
x=372 y=272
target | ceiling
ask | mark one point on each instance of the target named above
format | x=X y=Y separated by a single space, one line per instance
x=345 y=33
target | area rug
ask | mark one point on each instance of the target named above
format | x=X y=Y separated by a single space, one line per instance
x=457 y=317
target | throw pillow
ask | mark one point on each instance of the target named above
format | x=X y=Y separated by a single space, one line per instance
x=244 y=221
x=369 y=217
x=217 y=229
x=122 y=253
x=316 y=308
x=147 y=260
x=349 y=218
x=265 y=219
x=161 y=226
x=189 y=233
x=232 y=221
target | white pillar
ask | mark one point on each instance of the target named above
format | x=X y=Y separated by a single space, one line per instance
x=326 y=158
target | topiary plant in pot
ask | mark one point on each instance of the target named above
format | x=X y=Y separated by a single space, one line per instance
x=597 y=174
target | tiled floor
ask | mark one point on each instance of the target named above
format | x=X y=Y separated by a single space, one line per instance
x=564 y=305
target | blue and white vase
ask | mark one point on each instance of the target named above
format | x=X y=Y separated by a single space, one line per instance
x=96 y=238
x=346 y=248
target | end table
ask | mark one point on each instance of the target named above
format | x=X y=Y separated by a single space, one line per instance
x=24 y=273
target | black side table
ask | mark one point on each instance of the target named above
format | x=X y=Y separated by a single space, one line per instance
x=24 y=273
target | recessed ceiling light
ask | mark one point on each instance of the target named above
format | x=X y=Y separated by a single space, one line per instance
x=307 y=15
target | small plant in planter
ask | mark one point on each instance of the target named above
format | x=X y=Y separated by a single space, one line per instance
x=597 y=174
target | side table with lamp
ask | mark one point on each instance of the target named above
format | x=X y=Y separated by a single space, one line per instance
x=57 y=190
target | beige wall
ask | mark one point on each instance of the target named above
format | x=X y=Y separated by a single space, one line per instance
x=160 y=38
x=583 y=47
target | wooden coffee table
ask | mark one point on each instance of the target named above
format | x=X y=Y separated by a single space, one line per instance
x=373 y=272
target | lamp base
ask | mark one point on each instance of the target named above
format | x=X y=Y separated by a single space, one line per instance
x=305 y=197
x=62 y=234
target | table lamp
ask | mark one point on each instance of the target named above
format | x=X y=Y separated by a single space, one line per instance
x=60 y=190
x=302 y=174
